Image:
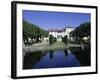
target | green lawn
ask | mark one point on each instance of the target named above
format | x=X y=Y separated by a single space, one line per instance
x=46 y=46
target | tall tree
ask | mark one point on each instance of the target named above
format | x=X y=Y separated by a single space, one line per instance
x=83 y=30
x=33 y=32
x=51 y=40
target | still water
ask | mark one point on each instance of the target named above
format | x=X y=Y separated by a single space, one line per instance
x=57 y=58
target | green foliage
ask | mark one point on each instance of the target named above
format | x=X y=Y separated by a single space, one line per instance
x=55 y=39
x=51 y=40
x=65 y=39
x=83 y=30
x=62 y=39
x=33 y=32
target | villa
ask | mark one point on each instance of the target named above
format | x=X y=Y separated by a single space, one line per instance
x=60 y=33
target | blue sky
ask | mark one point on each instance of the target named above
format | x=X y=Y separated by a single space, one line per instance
x=55 y=20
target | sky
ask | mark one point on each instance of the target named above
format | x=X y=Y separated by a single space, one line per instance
x=55 y=20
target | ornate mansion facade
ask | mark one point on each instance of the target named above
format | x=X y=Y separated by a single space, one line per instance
x=61 y=33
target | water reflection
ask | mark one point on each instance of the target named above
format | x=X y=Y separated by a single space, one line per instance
x=66 y=52
x=83 y=55
x=59 y=58
x=51 y=54
x=32 y=58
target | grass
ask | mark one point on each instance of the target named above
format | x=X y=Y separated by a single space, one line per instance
x=46 y=46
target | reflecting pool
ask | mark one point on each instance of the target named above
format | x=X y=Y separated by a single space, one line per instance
x=57 y=58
